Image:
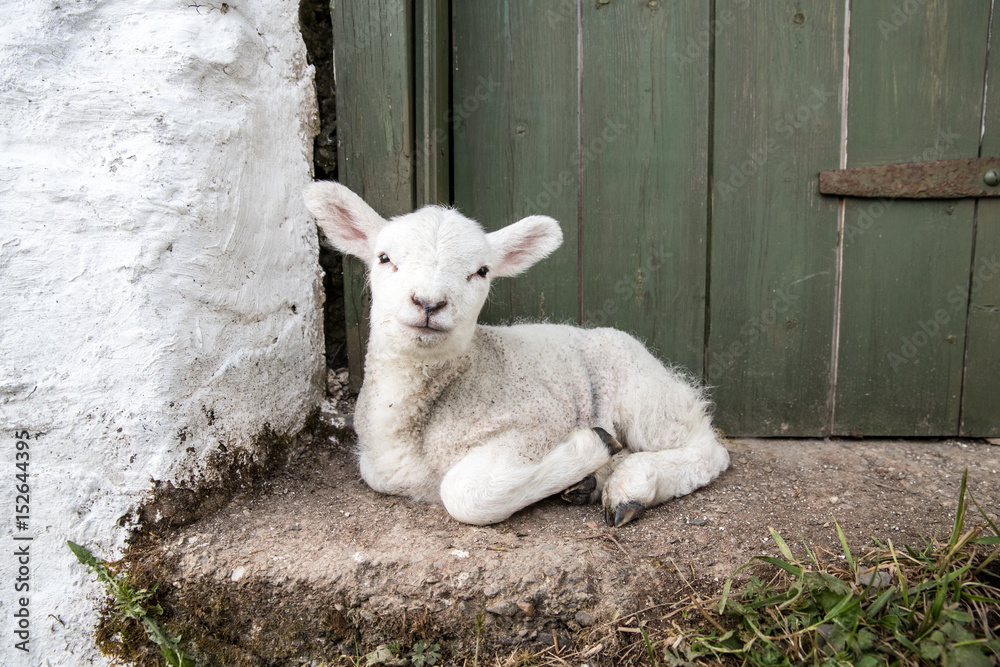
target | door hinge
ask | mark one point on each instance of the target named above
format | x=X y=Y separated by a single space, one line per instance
x=941 y=179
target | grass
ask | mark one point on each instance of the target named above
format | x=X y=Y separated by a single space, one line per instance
x=937 y=604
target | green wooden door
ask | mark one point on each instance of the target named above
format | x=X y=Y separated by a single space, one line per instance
x=678 y=144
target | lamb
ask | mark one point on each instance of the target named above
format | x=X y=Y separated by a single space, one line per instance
x=487 y=420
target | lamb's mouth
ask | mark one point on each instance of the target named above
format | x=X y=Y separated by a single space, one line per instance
x=428 y=331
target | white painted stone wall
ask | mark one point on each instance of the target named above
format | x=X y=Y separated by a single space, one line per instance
x=159 y=287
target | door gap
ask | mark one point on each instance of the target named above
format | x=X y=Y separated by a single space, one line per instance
x=841 y=219
x=579 y=162
x=975 y=225
x=316 y=26
x=708 y=195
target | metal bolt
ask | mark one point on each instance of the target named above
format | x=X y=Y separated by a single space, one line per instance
x=991 y=177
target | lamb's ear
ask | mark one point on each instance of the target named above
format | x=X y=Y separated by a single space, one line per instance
x=522 y=244
x=345 y=218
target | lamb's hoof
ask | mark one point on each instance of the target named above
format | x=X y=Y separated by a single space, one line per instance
x=624 y=513
x=609 y=440
x=579 y=493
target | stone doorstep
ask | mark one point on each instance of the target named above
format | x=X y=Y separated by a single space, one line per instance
x=334 y=562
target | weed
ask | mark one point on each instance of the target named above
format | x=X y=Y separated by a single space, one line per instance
x=132 y=603
x=421 y=653
x=929 y=605
x=425 y=654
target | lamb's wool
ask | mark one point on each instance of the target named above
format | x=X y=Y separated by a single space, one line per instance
x=488 y=420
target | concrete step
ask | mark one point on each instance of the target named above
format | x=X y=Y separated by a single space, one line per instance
x=314 y=564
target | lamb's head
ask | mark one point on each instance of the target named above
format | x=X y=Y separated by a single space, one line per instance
x=430 y=270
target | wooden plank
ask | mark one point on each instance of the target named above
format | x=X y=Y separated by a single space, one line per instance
x=515 y=136
x=432 y=64
x=645 y=128
x=981 y=394
x=778 y=81
x=916 y=87
x=374 y=77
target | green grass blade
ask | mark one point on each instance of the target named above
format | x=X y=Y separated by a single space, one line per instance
x=838 y=608
x=812 y=557
x=785 y=551
x=942 y=582
x=725 y=595
x=847 y=551
x=956 y=531
x=986 y=517
x=902 y=577
x=880 y=602
x=795 y=571
x=729 y=583
x=906 y=642
x=938 y=605
x=649 y=645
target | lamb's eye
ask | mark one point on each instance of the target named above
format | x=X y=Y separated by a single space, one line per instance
x=483 y=270
x=383 y=258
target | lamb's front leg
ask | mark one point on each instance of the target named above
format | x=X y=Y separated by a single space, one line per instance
x=493 y=481
x=647 y=478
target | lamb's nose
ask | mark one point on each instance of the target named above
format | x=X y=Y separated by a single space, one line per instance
x=430 y=307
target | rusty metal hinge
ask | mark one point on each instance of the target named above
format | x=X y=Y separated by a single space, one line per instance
x=941 y=179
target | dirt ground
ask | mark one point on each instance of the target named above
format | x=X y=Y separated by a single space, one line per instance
x=312 y=563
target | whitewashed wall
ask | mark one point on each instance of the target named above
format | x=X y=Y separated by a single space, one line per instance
x=159 y=287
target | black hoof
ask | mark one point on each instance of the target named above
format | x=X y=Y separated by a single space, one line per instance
x=579 y=493
x=624 y=513
x=609 y=440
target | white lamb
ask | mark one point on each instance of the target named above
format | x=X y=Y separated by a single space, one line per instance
x=488 y=420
